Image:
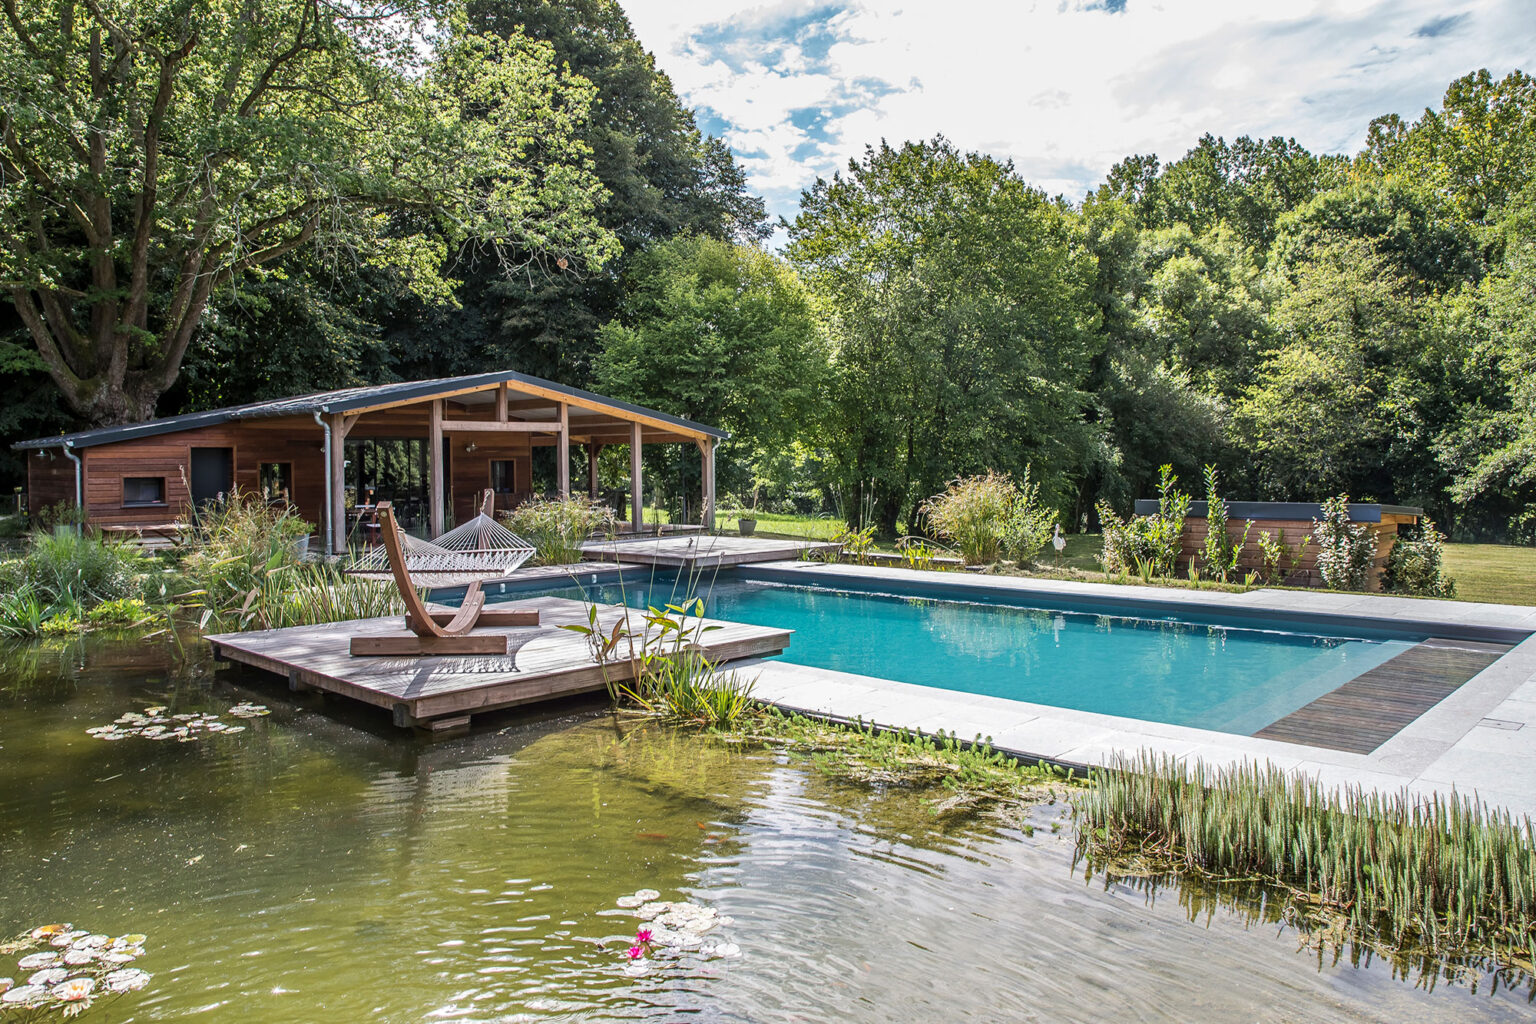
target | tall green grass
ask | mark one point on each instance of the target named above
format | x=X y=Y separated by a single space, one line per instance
x=557 y=529
x=1440 y=876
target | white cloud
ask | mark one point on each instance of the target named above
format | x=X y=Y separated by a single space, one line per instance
x=1064 y=88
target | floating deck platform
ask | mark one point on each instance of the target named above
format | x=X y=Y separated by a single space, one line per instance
x=543 y=662
x=704 y=551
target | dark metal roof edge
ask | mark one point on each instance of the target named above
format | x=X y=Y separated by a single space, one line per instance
x=315 y=402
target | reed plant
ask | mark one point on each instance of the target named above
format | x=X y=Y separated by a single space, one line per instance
x=1441 y=877
x=300 y=594
x=689 y=687
x=557 y=529
x=990 y=517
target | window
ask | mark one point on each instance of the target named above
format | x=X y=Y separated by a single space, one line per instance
x=503 y=476
x=276 y=480
x=143 y=490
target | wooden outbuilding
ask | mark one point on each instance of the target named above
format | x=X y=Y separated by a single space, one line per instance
x=1291 y=521
x=432 y=447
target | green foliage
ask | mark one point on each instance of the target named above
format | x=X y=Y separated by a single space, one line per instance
x=557 y=529
x=1280 y=560
x=689 y=688
x=1416 y=564
x=989 y=517
x=1346 y=550
x=225 y=135
x=79 y=571
x=236 y=561
x=1221 y=552
x=957 y=299
x=721 y=334
x=1152 y=544
x=1441 y=876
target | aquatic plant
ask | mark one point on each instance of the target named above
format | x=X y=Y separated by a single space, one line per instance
x=68 y=568
x=557 y=529
x=989 y=518
x=156 y=723
x=71 y=970
x=1443 y=876
x=688 y=687
x=677 y=929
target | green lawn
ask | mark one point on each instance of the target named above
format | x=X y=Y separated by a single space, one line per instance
x=1493 y=572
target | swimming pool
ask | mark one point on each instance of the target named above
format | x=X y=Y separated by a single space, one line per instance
x=1209 y=675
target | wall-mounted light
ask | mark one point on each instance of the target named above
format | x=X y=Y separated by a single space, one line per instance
x=471 y=447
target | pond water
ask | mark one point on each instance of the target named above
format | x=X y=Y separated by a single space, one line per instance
x=322 y=865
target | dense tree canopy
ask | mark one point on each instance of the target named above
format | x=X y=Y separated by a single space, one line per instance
x=155 y=152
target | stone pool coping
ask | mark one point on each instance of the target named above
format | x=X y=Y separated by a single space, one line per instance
x=1480 y=740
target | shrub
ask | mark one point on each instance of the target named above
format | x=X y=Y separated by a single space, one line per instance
x=988 y=518
x=1221 y=553
x=1150 y=544
x=66 y=567
x=1280 y=559
x=1415 y=565
x=1345 y=550
x=558 y=528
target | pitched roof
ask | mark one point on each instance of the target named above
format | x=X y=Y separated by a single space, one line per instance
x=345 y=400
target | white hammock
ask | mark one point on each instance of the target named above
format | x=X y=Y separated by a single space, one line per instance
x=481 y=549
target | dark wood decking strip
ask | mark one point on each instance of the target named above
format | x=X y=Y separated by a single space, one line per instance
x=545 y=661
x=1370 y=709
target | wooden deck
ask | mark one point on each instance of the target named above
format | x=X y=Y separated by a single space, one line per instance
x=1370 y=709
x=703 y=552
x=544 y=662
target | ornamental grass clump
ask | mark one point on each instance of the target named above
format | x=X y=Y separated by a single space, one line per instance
x=1440 y=877
x=557 y=529
x=989 y=518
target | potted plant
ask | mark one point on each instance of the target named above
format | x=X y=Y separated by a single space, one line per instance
x=746 y=518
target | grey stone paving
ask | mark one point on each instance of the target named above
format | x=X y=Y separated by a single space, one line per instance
x=1480 y=740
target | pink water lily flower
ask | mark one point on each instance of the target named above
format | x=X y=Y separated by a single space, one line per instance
x=643 y=936
x=635 y=952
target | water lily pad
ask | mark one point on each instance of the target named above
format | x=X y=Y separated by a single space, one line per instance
x=49 y=976
x=33 y=961
x=79 y=957
x=24 y=994
x=47 y=931
x=129 y=979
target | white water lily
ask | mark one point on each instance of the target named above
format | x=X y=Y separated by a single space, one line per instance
x=73 y=990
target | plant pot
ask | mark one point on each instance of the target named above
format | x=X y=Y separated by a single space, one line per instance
x=301 y=547
x=746 y=526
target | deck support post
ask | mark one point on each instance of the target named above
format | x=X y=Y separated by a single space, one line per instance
x=563 y=452
x=337 y=513
x=501 y=402
x=593 y=450
x=707 y=513
x=435 y=470
x=636 y=494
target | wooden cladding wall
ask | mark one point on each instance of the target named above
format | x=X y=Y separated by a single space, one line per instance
x=1304 y=574
x=294 y=440
x=469 y=473
x=50 y=480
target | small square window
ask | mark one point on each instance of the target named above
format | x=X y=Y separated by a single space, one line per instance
x=143 y=490
x=276 y=480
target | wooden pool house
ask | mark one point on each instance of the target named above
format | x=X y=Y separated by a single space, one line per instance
x=431 y=447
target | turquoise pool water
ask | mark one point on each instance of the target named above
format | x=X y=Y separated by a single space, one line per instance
x=1224 y=678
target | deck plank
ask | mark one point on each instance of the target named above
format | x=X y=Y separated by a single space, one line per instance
x=1373 y=707
x=544 y=661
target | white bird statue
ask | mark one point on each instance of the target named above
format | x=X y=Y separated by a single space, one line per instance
x=1058 y=542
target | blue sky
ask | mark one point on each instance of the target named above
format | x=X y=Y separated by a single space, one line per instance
x=1064 y=88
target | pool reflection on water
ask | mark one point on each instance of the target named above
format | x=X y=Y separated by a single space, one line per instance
x=323 y=865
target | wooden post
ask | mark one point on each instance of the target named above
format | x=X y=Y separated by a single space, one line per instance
x=435 y=470
x=563 y=448
x=707 y=450
x=501 y=403
x=337 y=514
x=636 y=495
x=593 y=450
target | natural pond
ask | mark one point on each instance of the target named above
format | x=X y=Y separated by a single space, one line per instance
x=319 y=864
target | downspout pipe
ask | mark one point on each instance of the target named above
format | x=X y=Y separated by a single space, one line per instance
x=79 y=483
x=329 y=528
